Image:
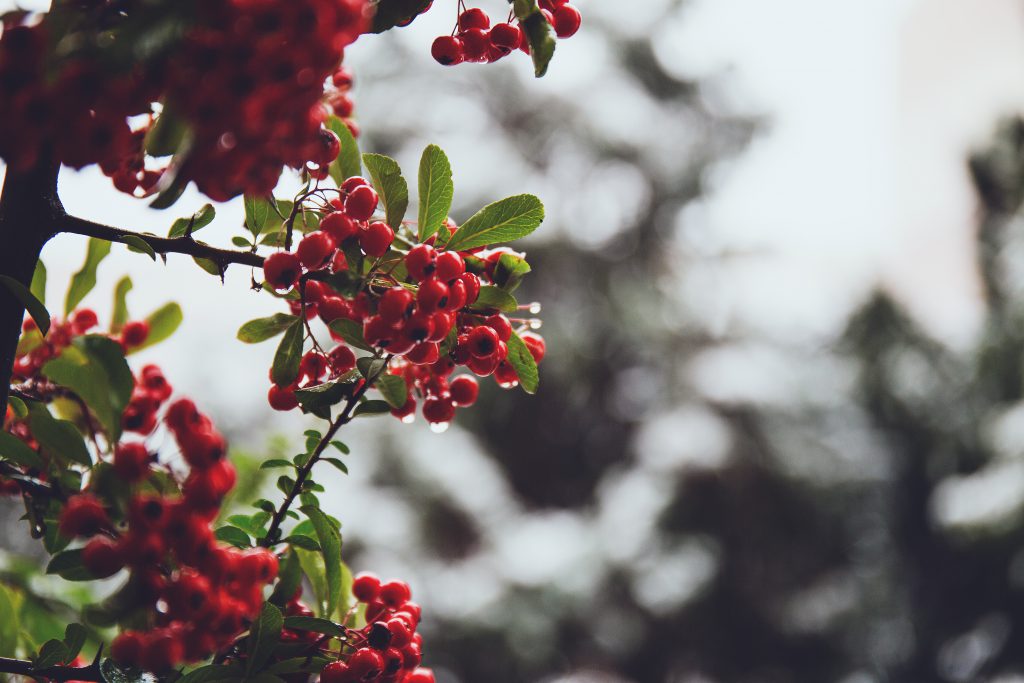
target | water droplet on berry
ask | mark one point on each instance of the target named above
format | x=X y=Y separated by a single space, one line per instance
x=509 y=385
x=535 y=323
x=408 y=419
x=534 y=308
x=439 y=427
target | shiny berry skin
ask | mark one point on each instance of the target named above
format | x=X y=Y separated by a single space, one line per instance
x=331 y=308
x=501 y=325
x=419 y=327
x=567 y=20
x=338 y=226
x=353 y=182
x=395 y=593
x=421 y=261
x=464 y=390
x=483 y=341
x=366 y=663
x=337 y=672
x=505 y=36
x=395 y=304
x=483 y=367
x=361 y=203
x=135 y=333
x=313 y=366
x=421 y=675
x=535 y=343
x=437 y=410
x=376 y=239
x=449 y=266
x=472 y=283
x=282 y=269
x=442 y=326
x=328 y=145
x=456 y=295
x=103 y=557
x=401 y=635
x=447 y=51
x=406 y=410
x=433 y=295
x=342 y=360
x=314 y=249
x=475 y=44
x=366 y=586
x=131 y=461
x=393 y=660
x=474 y=18
x=281 y=398
x=424 y=353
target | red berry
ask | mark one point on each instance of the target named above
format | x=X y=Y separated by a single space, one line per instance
x=83 y=515
x=395 y=304
x=420 y=261
x=401 y=635
x=437 y=410
x=328 y=146
x=366 y=586
x=281 y=398
x=376 y=239
x=421 y=675
x=432 y=296
x=282 y=270
x=424 y=353
x=135 y=333
x=474 y=18
x=127 y=647
x=447 y=50
x=419 y=327
x=450 y=265
x=83 y=319
x=501 y=325
x=505 y=36
x=482 y=367
x=102 y=557
x=535 y=343
x=456 y=295
x=337 y=672
x=314 y=249
x=352 y=183
x=361 y=203
x=131 y=461
x=339 y=226
x=366 y=664
x=395 y=593
x=475 y=44
x=567 y=20
x=472 y=283
x=313 y=366
x=331 y=308
x=464 y=390
x=483 y=341
x=342 y=360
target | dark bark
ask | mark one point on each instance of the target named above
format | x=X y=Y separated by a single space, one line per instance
x=30 y=213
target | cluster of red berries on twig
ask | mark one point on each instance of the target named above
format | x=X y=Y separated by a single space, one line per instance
x=476 y=40
x=388 y=649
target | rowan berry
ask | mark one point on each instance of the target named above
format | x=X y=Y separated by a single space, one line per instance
x=135 y=333
x=464 y=390
x=366 y=586
x=361 y=203
x=314 y=249
x=376 y=239
x=282 y=270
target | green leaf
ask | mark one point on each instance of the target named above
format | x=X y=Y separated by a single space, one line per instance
x=194 y=223
x=341 y=447
x=289 y=354
x=67 y=564
x=209 y=266
x=371 y=408
x=391 y=186
x=93 y=367
x=289 y=579
x=240 y=241
x=263 y=636
x=538 y=32
x=510 y=271
x=351 y=332
x=314 y=624
x=330 y=543
x=59 y=437
x=171 y=188
x=274 y=462
x=436 y=191
x=342 y=467
x=163 y=322
x=493 y=297
x=38 y=286
x=84 y=280
x=313 y=567
x=9 y=622
x=52 y=652
x=304 y=542
x=234 y=536
x=165 y=135
x=394 y=390
x=262 y=329
x=33 y=305
x=503 y=221
x=13 y=449
x=522 y=361
x=120 y=315
x=137 y=244
x=257 y=212
x=323 y=395
x=370 y=367
x=18 y=406
x=348 y=163
x=391 y=13
x=74 y=639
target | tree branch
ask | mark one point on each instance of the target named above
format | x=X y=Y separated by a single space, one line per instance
x=22 y=667
x=162 y=245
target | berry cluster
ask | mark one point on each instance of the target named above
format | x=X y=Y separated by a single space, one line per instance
x=387 y=649
x=475 y=40
x=247 y=79
x=425 y=320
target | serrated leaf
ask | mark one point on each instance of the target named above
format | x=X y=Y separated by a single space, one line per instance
x=493 y=297
x=436 y=191
x=59 y=437
x=120 y=314
x=330 y=543
x=263 y=636
x=139 y=245
x=394 y=389
x=503 y=221
x=348 y=163
x=34 y=306
x=390 y=185
x=539 y=34
x=521 y=360
x=13 y=449
x=289 y=354
x=163 y=322
x=262 y=329
x=351 y=332
x=199 y=220
x=234 y=536
x=257 y=212
x=372 y=408
x=84 y=280
x=38 y=286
